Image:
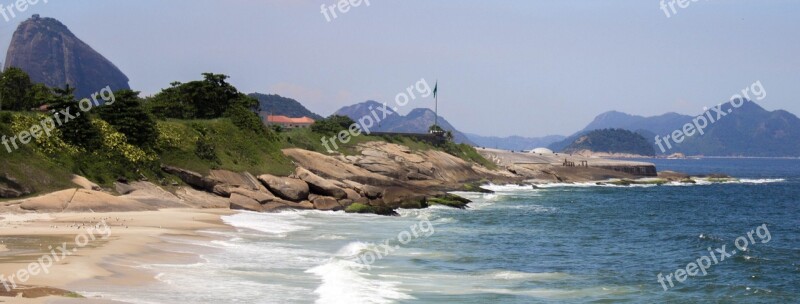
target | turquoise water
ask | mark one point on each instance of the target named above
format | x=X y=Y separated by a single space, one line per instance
x=561 y=244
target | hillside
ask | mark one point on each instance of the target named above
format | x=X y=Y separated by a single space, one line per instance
x=417 y=121
x=612 y=141
x=279 y=105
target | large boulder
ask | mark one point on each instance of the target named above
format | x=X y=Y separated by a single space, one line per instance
x=352 y=194
x=327 y=203
x=194 y=179
x=286 y=188
x=95 y=201
x=262 y=197
x=202 y=199
x=280 y=205
x=241 y=202
x=11 y=188
x=84 y=183
x=150 y=194
x=320 y=185
x=52 y=202
x=82 y=200
x=397 y=197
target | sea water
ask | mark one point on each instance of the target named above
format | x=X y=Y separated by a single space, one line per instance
x=563 y=243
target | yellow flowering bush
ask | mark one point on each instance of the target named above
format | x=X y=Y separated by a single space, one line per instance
x=115 y=145
x=47 y=145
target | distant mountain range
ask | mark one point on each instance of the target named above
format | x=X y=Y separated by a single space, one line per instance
x=279 y=105
x=52 y=55
x=749 y=130
x=417 y=121
x=514 y=143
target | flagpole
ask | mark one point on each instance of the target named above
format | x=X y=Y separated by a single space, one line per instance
x=436 y=97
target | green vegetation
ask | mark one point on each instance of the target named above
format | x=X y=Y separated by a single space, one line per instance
x=613 y=141
x=128 y=116
x=200 y=126
x=203 y=99
x=332 y=125
x=360 y=208
x=467 y=153
x=450 y=200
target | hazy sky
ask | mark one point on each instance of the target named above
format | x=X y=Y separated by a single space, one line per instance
x=523 y=67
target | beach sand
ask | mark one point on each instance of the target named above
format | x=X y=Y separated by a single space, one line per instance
x=109 y=252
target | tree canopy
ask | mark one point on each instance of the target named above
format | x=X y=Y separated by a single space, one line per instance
x=202 y=99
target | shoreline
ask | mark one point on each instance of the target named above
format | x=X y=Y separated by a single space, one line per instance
x=134 y=238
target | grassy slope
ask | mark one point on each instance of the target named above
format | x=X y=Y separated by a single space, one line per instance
x=235 y=150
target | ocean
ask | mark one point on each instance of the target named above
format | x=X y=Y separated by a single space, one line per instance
x=555 y=244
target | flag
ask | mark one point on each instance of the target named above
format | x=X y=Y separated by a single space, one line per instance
x=436 y=89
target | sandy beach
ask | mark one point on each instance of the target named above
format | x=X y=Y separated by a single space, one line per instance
x=86 y=251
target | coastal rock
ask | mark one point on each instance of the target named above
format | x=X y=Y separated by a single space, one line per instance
x=241 y=202
x=84 y=183
x=11 y=188
x=352 y=194
x=194 y=179
x=327 y=203
x=52 y=202
x=95 y=201
x=82 y=200
x=236 y=180
x=152 y=195
x=202 y=199
x=274 y=207
x=396 y=197
x=262 y=197
x=337 y=169
x=123 y=188
x=286 y=188
x=320 y=185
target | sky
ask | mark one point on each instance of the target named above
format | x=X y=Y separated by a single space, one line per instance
x=522 y=67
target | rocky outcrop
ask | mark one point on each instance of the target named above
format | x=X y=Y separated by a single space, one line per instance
x=82 y=200
x=11 y=188
x=52 y=55
x=327 y=203
x=194 y=179
x=286 y=188
x=84 y=183
x=201 y=199
x=320 y=185
x=241 y=202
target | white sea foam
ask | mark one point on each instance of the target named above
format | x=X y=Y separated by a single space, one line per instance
x=343 y=282
x=278 y=224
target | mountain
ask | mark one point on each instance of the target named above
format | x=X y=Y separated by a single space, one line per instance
x=279 y=105
x=514 y=143
x=749 y=130
x=52 y=55
x=612 y=141
x=417 y=121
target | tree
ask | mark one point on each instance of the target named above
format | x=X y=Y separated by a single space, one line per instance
x=332 y=125
x=17 y=91
x=128 y=116
x=203 y=99
x=75 y=126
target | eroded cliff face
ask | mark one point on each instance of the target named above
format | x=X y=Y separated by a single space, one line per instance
x=52 y=55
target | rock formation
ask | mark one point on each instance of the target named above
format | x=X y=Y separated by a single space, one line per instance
x=52 y=55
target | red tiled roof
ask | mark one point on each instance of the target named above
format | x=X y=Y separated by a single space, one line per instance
x=288 y=120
